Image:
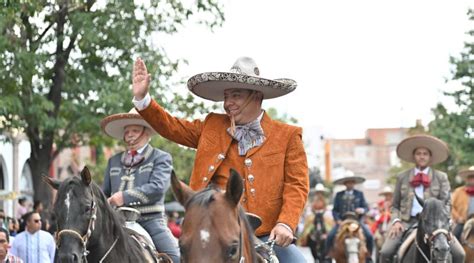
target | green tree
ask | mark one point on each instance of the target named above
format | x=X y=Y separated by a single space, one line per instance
x=273 y=113
x=456 y=127
x=66 y=64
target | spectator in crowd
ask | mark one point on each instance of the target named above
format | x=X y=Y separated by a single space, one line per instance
x=34 y=245
x=22 y=208
x=174 y=225
x=4 y=246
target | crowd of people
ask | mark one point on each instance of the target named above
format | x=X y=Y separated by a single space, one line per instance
x=27 y=236
x=397 y=210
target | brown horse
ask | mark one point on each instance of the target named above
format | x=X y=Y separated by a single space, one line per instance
x=215 y=228
x=349 y=246
x=467 y=239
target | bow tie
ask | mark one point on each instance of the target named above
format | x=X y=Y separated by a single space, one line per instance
x=248 y=136
x=132 y=158
x=420 y=179
x=470 y=190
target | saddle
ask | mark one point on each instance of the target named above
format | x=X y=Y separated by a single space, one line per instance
x=265 y=253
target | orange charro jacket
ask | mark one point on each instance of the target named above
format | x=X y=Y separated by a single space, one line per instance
x=460 y=203
x=275 y=174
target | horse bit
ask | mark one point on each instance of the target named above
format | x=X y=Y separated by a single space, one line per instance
x=85 y=238
x=429 y=238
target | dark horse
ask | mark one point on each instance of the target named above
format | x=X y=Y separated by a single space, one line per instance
x=89 y=230
x=317 y=237
x=215 y=228
x=433 y=234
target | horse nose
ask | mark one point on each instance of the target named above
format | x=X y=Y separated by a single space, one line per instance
x=69 y=258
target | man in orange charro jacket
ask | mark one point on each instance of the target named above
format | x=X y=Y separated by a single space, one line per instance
x=463 y=202
x=268 y=154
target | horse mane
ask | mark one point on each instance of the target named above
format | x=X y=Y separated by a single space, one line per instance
x=206 y=197
x=126 y=247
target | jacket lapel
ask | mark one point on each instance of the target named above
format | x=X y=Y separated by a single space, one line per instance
x=267 y=128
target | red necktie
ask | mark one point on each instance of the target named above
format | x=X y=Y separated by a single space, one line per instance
x=470 y=190
x=133 y=152
x=420 y=179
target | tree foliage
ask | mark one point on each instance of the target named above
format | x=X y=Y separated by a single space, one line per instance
x=66 y=64
x=456 y=127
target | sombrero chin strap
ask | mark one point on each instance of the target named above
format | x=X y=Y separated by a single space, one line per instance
x=232 y=116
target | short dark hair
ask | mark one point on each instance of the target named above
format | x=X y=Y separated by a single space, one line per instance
x=28 y=215
x=7 y=235
x=37 y=203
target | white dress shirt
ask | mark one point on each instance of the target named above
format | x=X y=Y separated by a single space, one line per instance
x=416 y=207
x=34 y=248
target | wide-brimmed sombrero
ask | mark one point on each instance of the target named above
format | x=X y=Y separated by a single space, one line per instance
x=319 y=188
x=439 y=149
x=349 y=176
x=387 y=190
x=244 y=74
x=467 y=172
x=114 y=125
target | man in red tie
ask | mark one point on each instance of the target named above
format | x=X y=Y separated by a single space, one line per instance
x=463 y=201
x=424 y=181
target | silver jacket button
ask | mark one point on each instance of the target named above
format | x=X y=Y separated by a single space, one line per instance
x=248 y=162
x=251 y=178
x=211 y=168
x=205 y=179
x=221 y=156
x=252 y=191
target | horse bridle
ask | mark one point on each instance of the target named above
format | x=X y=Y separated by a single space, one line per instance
x=85 y=238
x=428 y=239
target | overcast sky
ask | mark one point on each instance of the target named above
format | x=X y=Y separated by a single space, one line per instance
x=358 y=64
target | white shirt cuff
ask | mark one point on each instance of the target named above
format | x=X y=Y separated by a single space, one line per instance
x=143 y=103
x=286 y=226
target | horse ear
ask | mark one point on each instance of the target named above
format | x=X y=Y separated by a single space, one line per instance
x=51 y=182
x=181 y=191
x=86 y=176
x=235 y=187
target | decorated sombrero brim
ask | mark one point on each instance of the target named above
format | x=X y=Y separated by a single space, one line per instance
x=467 y=172
x=114 y=125
x=243 y=75
x=349 y=176
x=387 y=190
x=439 y=149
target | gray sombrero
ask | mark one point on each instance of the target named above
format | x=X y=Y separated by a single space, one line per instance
x=467 y=172
x=244 y=74
x=114 y=125
x=349 y=176
x=439 y=149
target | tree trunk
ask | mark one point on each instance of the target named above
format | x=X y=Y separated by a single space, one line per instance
x=40 y=161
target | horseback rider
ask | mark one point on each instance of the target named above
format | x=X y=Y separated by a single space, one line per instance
x=268 y=154
x=349 y=200
x=383 y=219
x=139 y=177
x=463 y=201
x=424 y=151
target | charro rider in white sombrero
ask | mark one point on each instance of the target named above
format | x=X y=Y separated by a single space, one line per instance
x=347 y=201
x=139 y=177
x=268 y=154
x=423 y=151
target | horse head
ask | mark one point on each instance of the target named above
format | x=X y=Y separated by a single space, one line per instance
x=434 y=231
x=214 y=228
x=75 y=210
